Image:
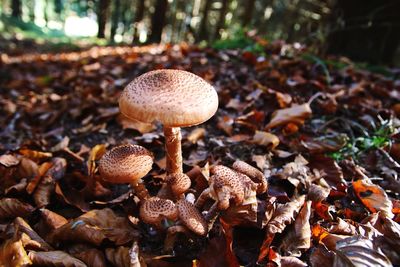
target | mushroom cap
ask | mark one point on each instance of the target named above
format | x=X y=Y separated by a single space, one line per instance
x=176 y=98
x=252 y=172
x=154 y=209
x=125 y=164
x=224 y=179
x=179 y=183
x=191 y=217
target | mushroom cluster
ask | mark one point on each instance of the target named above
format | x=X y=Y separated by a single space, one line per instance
x=176 y=99
x=228 y=185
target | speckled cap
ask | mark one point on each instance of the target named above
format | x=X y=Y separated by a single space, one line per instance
x=125 y=164
x=154 y=209
x=176 y=98
x=191 y=217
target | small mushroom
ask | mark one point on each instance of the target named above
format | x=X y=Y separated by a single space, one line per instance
x=154 y=210
x=256 y=175
x=190 y=221
x=175 y=98
x=127 y=164
x=225 y=185
x=179 y=183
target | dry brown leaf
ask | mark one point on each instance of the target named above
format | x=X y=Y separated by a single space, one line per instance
x=19 y=187
x=225 y=123
x=329 y=169
x=95 y=154
x=95 y=226
x=298 y=238
x=52 y=219
x=34 y=240
x=8 y=160
x=359 y=251
x=36 y=180
x=28 y=168
x=196 y=135
x=296 y=114
x=90 y=256
x=54 y=258
x=13 y=254
x=124 y=256
x=12 y=208
x=35 y=155
x=321 y=256
x=139 y=126
x=266 y=139
x=317 y=193
x=43 y=191
x=373 y=197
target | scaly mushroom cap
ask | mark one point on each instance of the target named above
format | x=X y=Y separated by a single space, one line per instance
x=125 y=164
x=176 y=98
x=226 y=181
x=253 y=173
x=154 y=209
x=191 y=217
x=179 y=183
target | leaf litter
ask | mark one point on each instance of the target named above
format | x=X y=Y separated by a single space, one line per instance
x=326 y=141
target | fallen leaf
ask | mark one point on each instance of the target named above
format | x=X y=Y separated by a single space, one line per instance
x=90 y=256
x=52 y=219
x=295 y=114
x=13 y=254
x=196 y=135
x=8 y=160
x=373 y=197
x=35 y=241
x=139 y=126
x=54 y=258
x=94 y=227
x=321 y=256
x=11 y=208
x=95 y=154
x=124 y=256
x=35 y=155
x=298 y=239
x=359 y=251
x=266 y=139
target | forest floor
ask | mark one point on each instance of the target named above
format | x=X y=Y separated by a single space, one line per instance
x=323 y=132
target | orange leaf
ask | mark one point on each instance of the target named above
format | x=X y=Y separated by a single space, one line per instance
x=373 y=197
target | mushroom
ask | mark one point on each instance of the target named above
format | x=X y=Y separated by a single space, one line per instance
x=225 y=185
x=176 y=184
x=127 y=164
x=190 y=221
x=154 y=210
x=256 y=175
x=175 y=98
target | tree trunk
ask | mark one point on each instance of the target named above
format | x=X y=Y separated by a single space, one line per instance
x=16 y=9
x=115 y=19
x=221 y=21
x=140 y=4
x=248 y=12
x=203 y=33
x=102 y=17
x=370 y=32
x=158 y=21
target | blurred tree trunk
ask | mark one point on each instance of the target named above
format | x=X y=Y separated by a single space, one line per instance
x=16 y=10
x=158 y=21
x=139 y=14
x=31 y=9
x=221 y=20
x=203 y=33
x=248 y=12
x=365 y=30
x=102 y=17
x=115 y=19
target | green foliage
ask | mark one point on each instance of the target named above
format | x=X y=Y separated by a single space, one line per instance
x=240 y=40
x=380 y=137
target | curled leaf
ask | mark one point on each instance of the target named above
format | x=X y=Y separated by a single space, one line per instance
x=8 y=160
x=12 y=208
x=35 y=241
x=54 y=258
x=124 y=256
x=295 y=114
x=266 y=139
x=95 y=154
x=373 y=197
x=13 y=254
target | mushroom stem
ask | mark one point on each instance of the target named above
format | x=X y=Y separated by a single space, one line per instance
x=140 y=190
x=173 y=149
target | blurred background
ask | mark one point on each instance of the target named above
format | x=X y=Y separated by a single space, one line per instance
x=363 y=30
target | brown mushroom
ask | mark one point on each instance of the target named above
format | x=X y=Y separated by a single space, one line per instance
x=127 y=164
x=225 y=185
x=154 y=209
x=190 y=221
x=256 y=175
x=175 y=98
x=179 y=183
